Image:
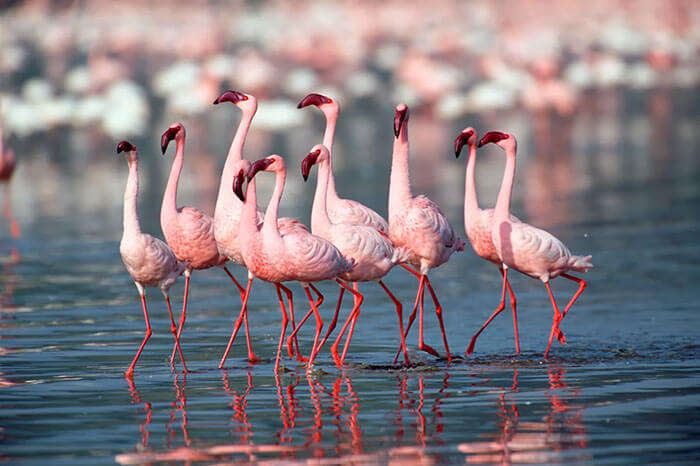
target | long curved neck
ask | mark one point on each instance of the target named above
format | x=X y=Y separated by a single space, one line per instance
x=248 y=227
x=471 y=202
x=131 y=214
x=169 y=205
x=399 y=185
x=320 y=222
x=235 y=153
x=270 y=225
x=329 y=133
x=502 y=211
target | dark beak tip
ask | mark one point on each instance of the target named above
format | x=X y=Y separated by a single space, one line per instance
x=299 y=105
x=216 y=101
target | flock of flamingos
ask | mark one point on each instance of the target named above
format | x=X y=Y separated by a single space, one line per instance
x=348 y=242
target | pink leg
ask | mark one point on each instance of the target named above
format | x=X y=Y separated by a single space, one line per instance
x=555 y=320
x=173 y=328
x=334 y=322
x=514 y=306
x=290 y=303
x=498 y=310
x=438 y=313
x=130 y=371
x=319 y=326
x=353 y=314
x=252 y=358
x=308 y=314
x=241 y=290
x=581 y=287
x=411 y=318
x=238 y=324
x=183 y=316
x=399 y=313
x=284 y=328
x=421 y=341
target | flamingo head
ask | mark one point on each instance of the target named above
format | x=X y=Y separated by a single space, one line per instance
x=271 y=163
x=240 y=170
x=243 y=101
x=318 y=154
x=504 y=140
x=325 y=104
x=400 y=119
x=468 y=136
x=128 y=148
x=176 y=131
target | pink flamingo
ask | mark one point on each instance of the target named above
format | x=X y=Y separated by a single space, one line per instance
x=341 y=210
x=228 y=208
x=7 y=168
x=188 y=231
x=149 y=261
x=277 y=257
x=527 y=249
x=477 y=225
x=371 y=250
x=417 y=224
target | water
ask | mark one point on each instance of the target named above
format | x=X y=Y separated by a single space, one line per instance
x=625 y=388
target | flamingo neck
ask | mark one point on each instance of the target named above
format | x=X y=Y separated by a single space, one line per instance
x=131 y=214
x=320 y=222
x=272 y=211
x=502 y=210
x=168 y=208
x=225 y=201
x=399 y=185
x=248 y=227
x=471 y=202
x=328 y=135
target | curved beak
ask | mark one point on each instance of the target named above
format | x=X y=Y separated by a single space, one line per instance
x=125 y=146
x=399 y=120
x=314 y=99
x=492 y=136
x=461 y=140
x=308 y=162
x=238 y=181
x=258 y=165
x=167 y=136
x=231 y=96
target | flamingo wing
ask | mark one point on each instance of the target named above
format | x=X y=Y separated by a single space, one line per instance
x=353 y=212
x=310 y=256
x=425 y=216
x=532 y=250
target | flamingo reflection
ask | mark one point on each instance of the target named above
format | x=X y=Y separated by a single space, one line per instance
x=415 y=406
x=136 y=400
x=179 y=405
x=239 y=403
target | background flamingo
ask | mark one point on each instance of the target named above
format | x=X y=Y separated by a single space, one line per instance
x=417 y=224
x=527 y=249
x=276 y=257
x=188 y=231
x=374 y=255
x=477 y=225
x=7 y=168
x=341 y=210
x=149 y=261
x=228 y=207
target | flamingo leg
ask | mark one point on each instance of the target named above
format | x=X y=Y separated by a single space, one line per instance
x=290 y=303
x=241 y=290
x=514 y=306
x=498 y=310
x=173 y=328
x=581 y=287
x=411 y=318
x=308 y=314
x=399 y=313
x=555 y=321
x=319 y=326
x=421 y=341
x=355 y=311
x=334 y=322
x=284 y=328
x=239 y=321
x=438 y=313
x=130 y=371
x=183 y=316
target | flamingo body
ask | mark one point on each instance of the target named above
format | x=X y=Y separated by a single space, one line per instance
x=190 y=234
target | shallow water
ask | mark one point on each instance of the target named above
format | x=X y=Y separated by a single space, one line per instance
x=624 y=389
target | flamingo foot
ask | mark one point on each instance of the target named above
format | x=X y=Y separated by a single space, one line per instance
x=428 y=349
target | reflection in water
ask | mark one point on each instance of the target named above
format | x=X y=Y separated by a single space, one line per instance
x=178 y=406
x=136 y=400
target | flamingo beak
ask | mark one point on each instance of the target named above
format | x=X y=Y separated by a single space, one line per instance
x=399 y=120
x=308 y=162
x=492 y=136
x=314 y=99
x=167 y=136
x=461 y=140
x=258 y=165
x=231 y=96
x=125 y=146
x=238 y=181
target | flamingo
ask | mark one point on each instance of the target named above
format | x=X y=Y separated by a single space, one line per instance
x=372 y=251
x=417 y=224
x=7 y=168
x=277 y=257
x=149 y=261
x=228 y=208
x=188 y=231
x=477 y=225
x=341 y=210
x=527 y=249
